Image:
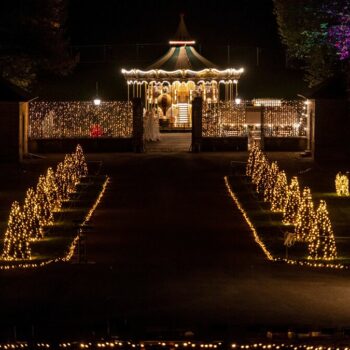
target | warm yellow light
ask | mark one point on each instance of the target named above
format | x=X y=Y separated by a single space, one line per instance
x=305 y=217
x=97 y=101
x=182 y=42
x=292 y=202
x=25 y=225
x=321 y=242
x=279 y=193
x=250 y=224
x=342 y=184
x=312 y=228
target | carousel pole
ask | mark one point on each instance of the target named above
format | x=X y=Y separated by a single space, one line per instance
x=151 y=93
x=146 y=99
x=172 y=101
x=146 y=96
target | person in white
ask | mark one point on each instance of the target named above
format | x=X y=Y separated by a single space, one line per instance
x=151 y=126
x=156 y=132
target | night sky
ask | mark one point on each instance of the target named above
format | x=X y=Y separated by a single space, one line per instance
x=114 y=34
x=243 y=23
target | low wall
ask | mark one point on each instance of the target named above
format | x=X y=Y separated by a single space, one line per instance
x=208 y=144
x=285 y=144
x=213 y=144
x=89 y=145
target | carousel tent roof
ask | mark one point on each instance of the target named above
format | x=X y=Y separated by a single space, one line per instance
x=182 y=57
x=182 y=62
x=182 y=32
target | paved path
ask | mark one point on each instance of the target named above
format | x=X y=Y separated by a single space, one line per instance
x=171 y=253
x=170 y=142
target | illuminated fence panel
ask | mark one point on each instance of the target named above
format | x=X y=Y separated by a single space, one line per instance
x=224 y=119
x=80 y=119
x=280 y=118
x=285 y=119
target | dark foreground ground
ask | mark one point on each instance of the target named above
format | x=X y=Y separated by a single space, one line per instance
x=168 y=253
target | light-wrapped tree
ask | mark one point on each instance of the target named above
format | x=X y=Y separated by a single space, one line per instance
x=292 y=203
x=253 y=154
x=342 y=184
x=305 y=217
x=279 y=196
x=260 y=168
x=82 y=169
x=44 y=212
x=322 y=242
x=61 y=181
x=16 y=241
x=31 y=214
x=272 y=178
x=52 y=192
x=263 y=179
x=71 y=173
x=257 y=168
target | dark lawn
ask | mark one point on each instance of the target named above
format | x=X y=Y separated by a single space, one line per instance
x=320 y=179
x=169 y=252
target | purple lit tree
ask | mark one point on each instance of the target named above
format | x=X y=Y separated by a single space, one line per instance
x=339 y=36
x=317 y=34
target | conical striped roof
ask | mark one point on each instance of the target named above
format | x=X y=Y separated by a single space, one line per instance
x=182 y=57
x=181 y=63
x=182 y=32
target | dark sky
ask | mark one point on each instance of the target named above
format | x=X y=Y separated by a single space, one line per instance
x=242 y=23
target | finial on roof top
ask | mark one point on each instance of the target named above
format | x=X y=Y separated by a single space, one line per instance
x=182 y=37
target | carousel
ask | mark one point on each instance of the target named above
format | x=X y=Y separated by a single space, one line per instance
x=169 y=85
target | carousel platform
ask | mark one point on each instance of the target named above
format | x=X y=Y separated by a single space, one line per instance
x=166 y=129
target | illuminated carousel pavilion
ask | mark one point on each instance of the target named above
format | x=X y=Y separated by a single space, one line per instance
x=169 y=85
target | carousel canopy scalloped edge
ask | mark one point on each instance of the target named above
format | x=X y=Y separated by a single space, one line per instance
x=226 y=75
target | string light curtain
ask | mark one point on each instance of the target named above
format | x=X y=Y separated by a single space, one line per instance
x=223 y=119
x=285 y=119
x=280 y=118
x=80 y=119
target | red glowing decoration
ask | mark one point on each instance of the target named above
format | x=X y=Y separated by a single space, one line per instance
x=96 y=131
